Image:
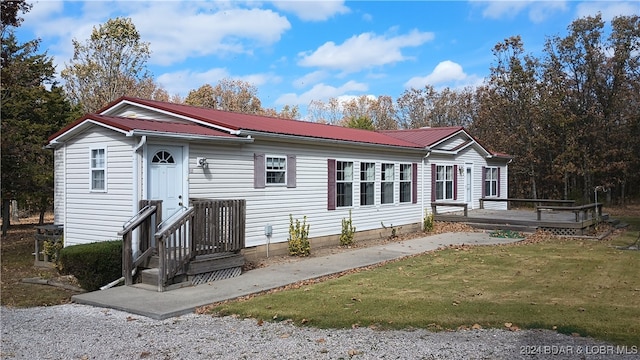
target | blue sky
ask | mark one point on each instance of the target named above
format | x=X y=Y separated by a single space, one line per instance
x=298 y=51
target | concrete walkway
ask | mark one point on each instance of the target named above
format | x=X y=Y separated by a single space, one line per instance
x=162 y=305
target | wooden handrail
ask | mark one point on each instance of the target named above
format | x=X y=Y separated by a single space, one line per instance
x=146 y=219
x=534 y=201
x=176 y=245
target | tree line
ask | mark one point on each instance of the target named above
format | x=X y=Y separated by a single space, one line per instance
x=570 y=118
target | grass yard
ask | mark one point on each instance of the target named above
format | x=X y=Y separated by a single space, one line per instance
x=573 y=286
x=17 y=264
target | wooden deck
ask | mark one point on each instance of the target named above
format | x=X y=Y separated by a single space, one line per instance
x=556 y=222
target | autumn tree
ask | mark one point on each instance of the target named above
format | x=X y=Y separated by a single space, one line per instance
x=414 y=107
x=228 y=95
x=108 y=65
x=360 y=122
x=599 y=77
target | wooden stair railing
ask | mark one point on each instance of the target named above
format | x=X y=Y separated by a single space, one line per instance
x=176 y=246
x=146 y=219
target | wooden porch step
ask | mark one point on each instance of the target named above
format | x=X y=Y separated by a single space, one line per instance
x=209 y=263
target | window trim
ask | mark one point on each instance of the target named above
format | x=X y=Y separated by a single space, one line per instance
x=338 y=182
x=392 y=181
x=367 y=181
x=285 y=172
x=495 y=180
x=444 y=183
x=93 y=169
x=408 y=181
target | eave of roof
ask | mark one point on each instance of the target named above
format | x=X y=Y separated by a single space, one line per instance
x=270 y=125
x=131 y=126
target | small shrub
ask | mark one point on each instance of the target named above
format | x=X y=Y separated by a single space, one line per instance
x=427 y=224
x=348 y=232
x=394 y=231
x=94 y=265
x=299 y=237
x=52 y=248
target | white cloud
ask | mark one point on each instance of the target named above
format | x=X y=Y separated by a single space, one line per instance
x=609 y=10
x=445 y=73
x=176 y=30
x=363 y=51
x=310 y=78
x=313 y=10
x=538 y=10
x=187 y=31
x=320 y=92
x=183 y=81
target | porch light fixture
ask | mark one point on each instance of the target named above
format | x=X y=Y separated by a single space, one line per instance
x=461 y=169
x=202 y=162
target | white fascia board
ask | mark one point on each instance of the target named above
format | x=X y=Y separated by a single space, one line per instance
x=307 y=139
x=81 y=126
x=187 y=136
x=165 y=112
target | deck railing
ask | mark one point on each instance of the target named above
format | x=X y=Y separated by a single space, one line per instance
x=219 y=225
x=145 y=220
x=176 y=245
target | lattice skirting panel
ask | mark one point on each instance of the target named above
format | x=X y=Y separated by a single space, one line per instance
x=216 y=275
x=562 y=231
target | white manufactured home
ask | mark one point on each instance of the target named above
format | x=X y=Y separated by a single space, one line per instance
x=136 y=149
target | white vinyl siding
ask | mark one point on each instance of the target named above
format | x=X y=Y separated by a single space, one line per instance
x=273 y=205
x=59 y=186
x=97 y=216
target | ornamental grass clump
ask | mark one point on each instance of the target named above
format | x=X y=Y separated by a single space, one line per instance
x=348 y=232
x=299 y=237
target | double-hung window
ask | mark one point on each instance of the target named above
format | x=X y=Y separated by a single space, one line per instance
x=98 y=169
x=444 y=182
x=344 y=183
x=387 y=184
x=276 y=170
x=491 y=181
x=405 y=183
x=367 y=183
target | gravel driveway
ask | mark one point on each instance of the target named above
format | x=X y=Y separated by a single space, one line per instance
x=83 y=332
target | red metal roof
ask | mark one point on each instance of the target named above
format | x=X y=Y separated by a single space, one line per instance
x=131 y=124
x=266 y=124
x=424 y=137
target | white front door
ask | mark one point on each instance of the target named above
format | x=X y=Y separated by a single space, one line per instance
x=165 y=177
x=468 y=184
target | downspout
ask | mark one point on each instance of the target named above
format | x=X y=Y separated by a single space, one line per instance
x=136 y=178
x=136 y=188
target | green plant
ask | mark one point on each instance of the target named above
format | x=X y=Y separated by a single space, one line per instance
x=94 y=265
x=299 y=237
x=52 y=248
x=506 y=234
x=394 y=231
x=427 y=224
x=348 y=232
